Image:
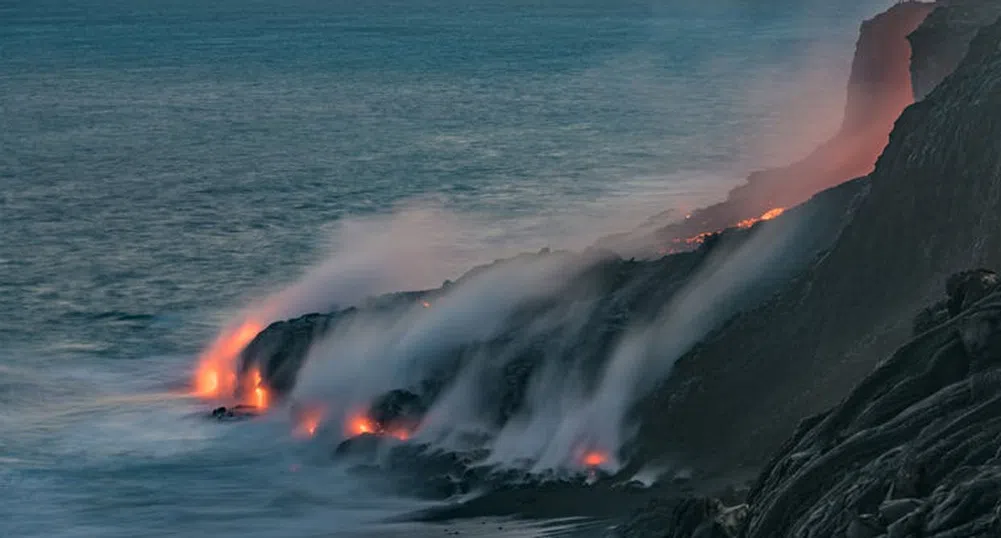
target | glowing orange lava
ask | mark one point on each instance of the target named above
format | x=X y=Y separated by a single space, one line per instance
x=594 y=458
x=309 y=422
x=767 y=215
x=425 y=304
x=216 y=373
x=360 y=425
x=261 y=398
x=255 y=391
x=772 y=213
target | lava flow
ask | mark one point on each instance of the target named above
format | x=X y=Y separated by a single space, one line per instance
x=594 y=458
x=258 y=394
x=216 y=373
x=361 y=425
x=767 y=215
x=685 y=244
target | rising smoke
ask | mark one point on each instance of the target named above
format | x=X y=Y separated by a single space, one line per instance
x=528 y=313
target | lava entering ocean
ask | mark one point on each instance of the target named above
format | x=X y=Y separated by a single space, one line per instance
x=216 y=375
x=308 y=421
x=359 y=424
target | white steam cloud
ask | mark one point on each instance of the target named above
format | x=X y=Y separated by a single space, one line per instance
x=566 y=411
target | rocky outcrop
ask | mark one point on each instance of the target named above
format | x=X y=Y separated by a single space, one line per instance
x=943 y=39
x=280 y=349
x=913 y=451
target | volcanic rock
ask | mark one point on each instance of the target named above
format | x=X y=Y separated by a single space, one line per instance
x=913 y=451
x=684 y=518
x=237 y=412
x=942 y=40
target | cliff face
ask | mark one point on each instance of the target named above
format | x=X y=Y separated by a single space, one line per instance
x=931 y=211
x=942 y=40
x=878 y=90
x=913 y=451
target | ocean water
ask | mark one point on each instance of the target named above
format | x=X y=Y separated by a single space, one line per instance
x=163 y=163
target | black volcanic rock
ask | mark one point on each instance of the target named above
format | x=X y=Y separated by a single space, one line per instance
x=913 y=451
x=696 y=517
x=942 y=40
x=962 y=289
x=398 y=408
x=280 y=349
x=235 y=413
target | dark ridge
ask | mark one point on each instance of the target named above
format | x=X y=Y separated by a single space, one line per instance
x=943 y=39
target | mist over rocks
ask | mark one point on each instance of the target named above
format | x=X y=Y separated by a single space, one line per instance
x=878 y=90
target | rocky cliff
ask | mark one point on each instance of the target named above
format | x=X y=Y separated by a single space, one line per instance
x=878 y=90
x=942 y=40
x=913 y=451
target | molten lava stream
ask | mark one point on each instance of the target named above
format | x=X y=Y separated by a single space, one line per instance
x=258 y=394
x=215 y=376
x=360 y=425
x=594 y=458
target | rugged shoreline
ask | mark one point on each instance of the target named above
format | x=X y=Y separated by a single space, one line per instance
x=914 y=448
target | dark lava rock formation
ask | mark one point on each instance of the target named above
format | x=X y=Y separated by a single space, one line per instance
x=943 y=39
x=914 y=451
x=614 y=293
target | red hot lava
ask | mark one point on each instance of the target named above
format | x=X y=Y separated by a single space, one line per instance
x=359 y=424
x=216 y=373
x=594 y=458
x=681 y=245
x=309 y=421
